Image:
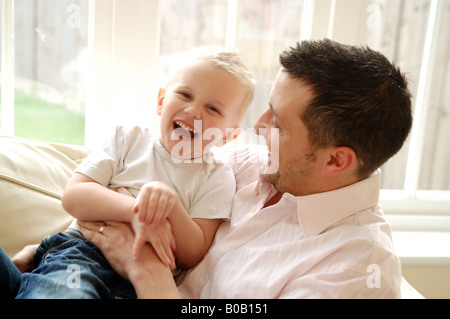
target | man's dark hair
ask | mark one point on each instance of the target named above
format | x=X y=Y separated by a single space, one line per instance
x=360 y=99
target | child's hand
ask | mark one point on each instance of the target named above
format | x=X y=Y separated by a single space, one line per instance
x=24 y=258
x=160 y=237
x=154 y=203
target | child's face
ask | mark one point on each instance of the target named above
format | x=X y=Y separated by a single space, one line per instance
x=200 y=102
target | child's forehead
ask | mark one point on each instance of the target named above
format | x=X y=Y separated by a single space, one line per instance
x=196 y=64
x=193 y=68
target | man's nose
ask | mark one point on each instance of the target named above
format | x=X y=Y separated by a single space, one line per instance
x=263 y=123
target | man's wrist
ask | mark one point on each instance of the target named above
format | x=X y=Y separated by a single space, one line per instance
x=152 y=279
x=136 y=273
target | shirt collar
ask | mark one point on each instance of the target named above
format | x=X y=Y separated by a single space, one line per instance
x=319 y=211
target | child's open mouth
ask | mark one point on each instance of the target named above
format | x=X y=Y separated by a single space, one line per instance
x=184 y=131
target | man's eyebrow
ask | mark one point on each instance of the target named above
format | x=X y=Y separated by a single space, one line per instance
x=272 y=110
x=275 y=118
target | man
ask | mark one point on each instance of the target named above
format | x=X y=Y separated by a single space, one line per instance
x=313 y=228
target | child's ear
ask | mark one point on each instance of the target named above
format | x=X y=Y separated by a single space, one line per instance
x=161 y=95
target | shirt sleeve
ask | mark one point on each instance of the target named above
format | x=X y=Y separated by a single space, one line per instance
x=215 y=196
x=246 y=163
x=340 y=284
x=103 y=163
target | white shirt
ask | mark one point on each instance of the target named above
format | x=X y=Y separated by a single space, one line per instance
x=133 y=157
x=335 y=244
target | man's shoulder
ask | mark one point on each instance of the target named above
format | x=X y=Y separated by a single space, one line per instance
x=249 y=154
x=245 y=161
x=243 y=156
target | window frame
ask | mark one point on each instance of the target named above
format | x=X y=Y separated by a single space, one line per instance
x=124 y=55
x=7 y=68
x=123 y=42
x=330 y=18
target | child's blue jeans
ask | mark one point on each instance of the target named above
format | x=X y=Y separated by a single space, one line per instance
x=9 y=277
x=69 y=266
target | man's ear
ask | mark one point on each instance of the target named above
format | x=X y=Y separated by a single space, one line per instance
x=161 y=95
x=339 y=160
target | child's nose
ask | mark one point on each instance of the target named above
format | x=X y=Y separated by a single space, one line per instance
x=193 y=110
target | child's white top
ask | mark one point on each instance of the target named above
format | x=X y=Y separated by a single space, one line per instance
x=133 y=157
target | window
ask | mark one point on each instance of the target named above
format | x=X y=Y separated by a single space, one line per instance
x=46 y=69
x=259 y=30
x=414 y=34
x=131 y=41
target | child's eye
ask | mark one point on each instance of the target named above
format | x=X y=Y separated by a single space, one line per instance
x=185 y=95
x=214 y=109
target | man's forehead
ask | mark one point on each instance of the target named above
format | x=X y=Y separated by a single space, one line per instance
x=289 y=94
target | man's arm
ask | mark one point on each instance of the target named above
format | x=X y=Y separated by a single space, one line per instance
x=85 y=199
x=149 y=276
x=339 y=283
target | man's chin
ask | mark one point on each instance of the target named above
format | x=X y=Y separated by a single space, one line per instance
x=269 y=177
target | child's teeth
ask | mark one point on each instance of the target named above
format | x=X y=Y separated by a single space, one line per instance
x=185 y=126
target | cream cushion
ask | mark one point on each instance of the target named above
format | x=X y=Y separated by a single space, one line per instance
x=32 y=178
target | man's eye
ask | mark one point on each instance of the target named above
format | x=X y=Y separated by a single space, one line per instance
x=274 y=124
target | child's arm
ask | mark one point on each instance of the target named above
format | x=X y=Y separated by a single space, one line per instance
x=193 y=237
x=85 y=199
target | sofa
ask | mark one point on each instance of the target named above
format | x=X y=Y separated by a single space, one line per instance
x=32 y=179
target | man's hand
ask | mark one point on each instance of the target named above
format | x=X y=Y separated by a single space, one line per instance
x=149 y=276
x=115 y=242
x=160 y=237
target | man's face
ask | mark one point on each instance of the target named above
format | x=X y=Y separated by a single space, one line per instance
x=298 y=163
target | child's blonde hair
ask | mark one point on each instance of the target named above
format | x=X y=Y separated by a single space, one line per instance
x=226 y=59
